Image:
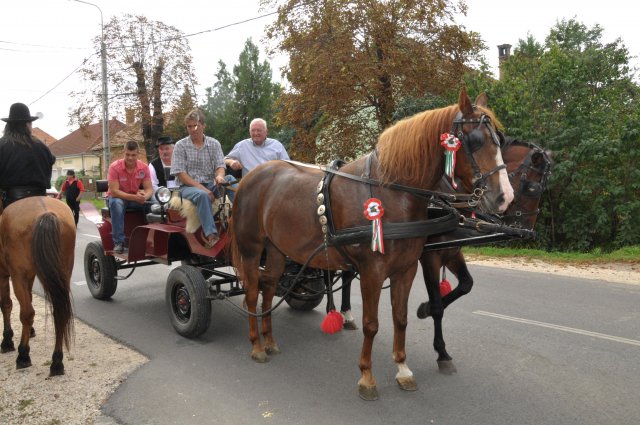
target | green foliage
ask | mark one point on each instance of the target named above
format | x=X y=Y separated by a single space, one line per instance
x=237 y=98
x=575 y=96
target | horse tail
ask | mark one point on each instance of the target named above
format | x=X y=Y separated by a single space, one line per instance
x=51 y=271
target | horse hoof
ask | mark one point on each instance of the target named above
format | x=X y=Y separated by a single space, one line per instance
x=424 y=311
x=407 y=383
x=272 y=350
x=5 y=348
x=260 y=357
x=23 y=364
x=57 y=370
x=446 y=367
x=368 y=393
x=350 y=325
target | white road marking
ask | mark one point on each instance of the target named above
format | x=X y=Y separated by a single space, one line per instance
x=89 y=236
x=80 y=283
x=560 y=328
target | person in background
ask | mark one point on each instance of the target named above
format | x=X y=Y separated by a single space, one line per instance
x=159 y=168
x=129 y=188
x=73 y=189
x=249 y=153
x=25 y=162
x=198 y=164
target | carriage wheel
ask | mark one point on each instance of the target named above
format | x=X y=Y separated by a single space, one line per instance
x=100 y=271
x=303 y=300
x=186 y=296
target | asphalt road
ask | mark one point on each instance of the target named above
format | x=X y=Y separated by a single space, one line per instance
x=529 y=348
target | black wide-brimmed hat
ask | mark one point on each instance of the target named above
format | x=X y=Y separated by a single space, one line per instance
x=19 y=112
x=165 y=140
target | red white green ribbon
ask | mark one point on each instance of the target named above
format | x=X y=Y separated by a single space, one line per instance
x=373 y=211
x=451 y=145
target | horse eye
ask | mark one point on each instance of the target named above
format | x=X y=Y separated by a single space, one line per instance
x=475 y=139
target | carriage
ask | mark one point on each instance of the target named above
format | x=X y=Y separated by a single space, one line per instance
x=161 y=235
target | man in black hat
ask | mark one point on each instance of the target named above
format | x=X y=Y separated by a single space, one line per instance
x=159 y=168
x=25 y=162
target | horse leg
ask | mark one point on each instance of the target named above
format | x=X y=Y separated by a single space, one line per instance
x=345 y=305
x=400 y=289
x=268 y=282
x=6 y=305
x=458 y=267
x=22 y=291
x=251 y=292
x=370 y=287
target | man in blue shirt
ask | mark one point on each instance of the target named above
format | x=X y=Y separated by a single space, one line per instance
x=249 y=153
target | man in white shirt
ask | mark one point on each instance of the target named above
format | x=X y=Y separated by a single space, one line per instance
x=159 y=168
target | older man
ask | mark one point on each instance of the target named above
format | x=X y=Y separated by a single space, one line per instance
x=249 y=153
x=159 y=168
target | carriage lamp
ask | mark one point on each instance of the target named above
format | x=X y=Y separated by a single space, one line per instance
x=163 y=195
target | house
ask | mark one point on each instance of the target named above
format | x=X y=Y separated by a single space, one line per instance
x=82 y=149
x=43 y=135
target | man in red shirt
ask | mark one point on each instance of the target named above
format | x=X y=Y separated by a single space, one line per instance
x=73 y=188
x=129 y=188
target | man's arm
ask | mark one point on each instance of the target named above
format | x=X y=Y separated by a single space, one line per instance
x=80 y=190
x=154 y=178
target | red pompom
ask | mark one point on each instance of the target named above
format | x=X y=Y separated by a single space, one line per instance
x=332 y=323
x=445 y=287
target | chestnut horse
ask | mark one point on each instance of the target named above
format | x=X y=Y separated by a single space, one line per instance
x=276 y=211
x=528 y=167
x=37 y=238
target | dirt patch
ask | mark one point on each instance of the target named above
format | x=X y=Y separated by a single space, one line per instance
x=94 y=368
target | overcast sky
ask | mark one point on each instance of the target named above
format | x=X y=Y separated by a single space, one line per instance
x=42 y=42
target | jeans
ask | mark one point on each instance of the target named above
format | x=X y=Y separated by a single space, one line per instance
x=117 y=208
x=203 y=205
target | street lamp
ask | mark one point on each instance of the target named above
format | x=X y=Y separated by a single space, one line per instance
x=105 y=101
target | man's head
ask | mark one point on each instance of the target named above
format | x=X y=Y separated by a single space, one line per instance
x=165 y=148
x=19 y=120
x=258 y=131
x=131 y=151
x=194 y=121
x=71 y=174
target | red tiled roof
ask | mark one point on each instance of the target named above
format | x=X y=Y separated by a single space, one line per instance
x=44 y=136
x=84 y=139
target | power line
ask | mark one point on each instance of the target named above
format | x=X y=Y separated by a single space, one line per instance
x=62 y=81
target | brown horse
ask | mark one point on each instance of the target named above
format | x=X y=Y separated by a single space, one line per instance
x=276 y=210
x=37 y=238
x=528 y=167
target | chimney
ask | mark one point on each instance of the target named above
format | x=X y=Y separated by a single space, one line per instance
x=130 y=116
x=504 y=51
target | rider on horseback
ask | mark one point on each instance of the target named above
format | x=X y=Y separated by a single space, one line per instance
x=25 y=162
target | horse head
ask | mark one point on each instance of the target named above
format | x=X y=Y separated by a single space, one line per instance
x=481 y=167
x=529 y=167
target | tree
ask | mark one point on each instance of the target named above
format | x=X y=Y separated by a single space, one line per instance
x=575 y=95
x=352 y=61
x=235 y=99
x=148 y=64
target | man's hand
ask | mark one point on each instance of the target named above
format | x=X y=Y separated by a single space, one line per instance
x=235 y=164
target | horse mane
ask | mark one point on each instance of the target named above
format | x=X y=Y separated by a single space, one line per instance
x=408 y=151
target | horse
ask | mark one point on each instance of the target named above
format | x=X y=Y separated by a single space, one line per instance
x=529 y=167
x=288 y=209
x=37 y=238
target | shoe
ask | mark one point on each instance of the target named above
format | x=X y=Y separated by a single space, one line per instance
x=119 y=248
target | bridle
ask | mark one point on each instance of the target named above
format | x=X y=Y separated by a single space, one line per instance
x=471 y=144
x=528 y=188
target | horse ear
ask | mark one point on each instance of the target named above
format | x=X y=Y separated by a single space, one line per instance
x=482 y=100
x=464 y=103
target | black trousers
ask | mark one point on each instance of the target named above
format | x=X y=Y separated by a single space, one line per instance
x=75 y=208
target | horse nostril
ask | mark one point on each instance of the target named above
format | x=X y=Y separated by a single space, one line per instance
x=500 y=199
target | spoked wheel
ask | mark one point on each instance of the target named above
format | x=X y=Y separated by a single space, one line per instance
x=186 y=297
x=100 y=271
